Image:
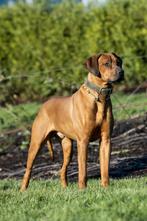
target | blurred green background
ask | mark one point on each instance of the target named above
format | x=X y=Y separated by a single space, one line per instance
x=43 y=44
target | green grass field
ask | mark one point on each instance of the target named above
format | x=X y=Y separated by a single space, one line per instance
x=124 y=200
x=129 y=105
x=124 y=106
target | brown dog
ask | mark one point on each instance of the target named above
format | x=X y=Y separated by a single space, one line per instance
x=85 y=116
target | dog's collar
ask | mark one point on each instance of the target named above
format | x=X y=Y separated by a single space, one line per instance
x=105 y=91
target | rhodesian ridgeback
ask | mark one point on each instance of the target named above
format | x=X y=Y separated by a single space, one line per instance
x=84 y=116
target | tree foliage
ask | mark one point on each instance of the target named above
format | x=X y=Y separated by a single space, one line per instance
x=42 y=51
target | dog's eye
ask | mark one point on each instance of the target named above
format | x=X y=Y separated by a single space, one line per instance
x=107 y=64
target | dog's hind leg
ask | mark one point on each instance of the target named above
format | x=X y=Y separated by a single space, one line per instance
x=39 y=133
x=67 y=149
x=50 y=149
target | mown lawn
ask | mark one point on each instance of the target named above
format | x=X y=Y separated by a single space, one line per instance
x=124 y=200
x=124 y=106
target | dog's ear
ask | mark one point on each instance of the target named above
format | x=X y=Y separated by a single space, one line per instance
x=91 y=64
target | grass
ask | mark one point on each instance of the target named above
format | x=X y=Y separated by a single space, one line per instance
x=22 y=115
x=124 y=106
x=124 y=200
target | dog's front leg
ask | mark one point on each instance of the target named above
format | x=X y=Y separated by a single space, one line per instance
x=105 y=149
x=82 y=163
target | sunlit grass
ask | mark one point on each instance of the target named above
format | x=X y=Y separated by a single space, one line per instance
x=124 y=200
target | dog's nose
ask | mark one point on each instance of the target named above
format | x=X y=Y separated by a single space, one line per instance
x=121 y=75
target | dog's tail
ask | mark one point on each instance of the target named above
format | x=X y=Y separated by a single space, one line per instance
x=50 y=148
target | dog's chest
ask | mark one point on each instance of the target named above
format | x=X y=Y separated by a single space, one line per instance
x=99 y=117
x=101 y=109
x=95 y=116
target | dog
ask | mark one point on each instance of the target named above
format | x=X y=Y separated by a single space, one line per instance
x=84 y=116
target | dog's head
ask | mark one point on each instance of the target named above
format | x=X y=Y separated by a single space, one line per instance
x=107 y=66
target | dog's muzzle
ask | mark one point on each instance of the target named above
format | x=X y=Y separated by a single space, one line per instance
x=121 y=76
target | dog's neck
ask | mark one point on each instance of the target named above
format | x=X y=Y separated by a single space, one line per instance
x=97 y=81
x=98 y=88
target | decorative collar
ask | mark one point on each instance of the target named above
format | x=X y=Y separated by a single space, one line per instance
x=105 y=91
